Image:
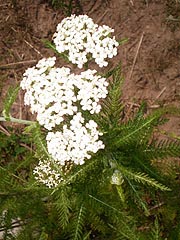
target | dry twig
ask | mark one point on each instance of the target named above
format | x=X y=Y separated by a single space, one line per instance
x=31 y=46
x=135 y=58
x=11 y=65
x=161 y=92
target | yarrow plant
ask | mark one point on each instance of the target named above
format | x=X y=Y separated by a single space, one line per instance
x=92 y=168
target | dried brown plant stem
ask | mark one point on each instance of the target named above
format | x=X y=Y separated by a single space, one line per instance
x=11 y=65
x=136 y=55
x=31 y=46
x=161 y=92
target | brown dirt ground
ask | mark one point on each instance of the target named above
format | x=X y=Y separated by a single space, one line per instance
x=150 y=59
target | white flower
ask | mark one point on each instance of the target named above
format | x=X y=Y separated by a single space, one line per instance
x=75 y=143
x=46 y=173
x=82 y=40
x=46 y=63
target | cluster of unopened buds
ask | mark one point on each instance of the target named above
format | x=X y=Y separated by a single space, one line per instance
x=56 y=94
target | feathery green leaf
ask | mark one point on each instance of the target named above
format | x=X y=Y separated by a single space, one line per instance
x=144 y=179
x=9 y=100
x=63 y=206
x=79 y=223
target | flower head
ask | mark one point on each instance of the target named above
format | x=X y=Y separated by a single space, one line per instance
x=53 y=92
x=46 y=173
x=75 y=143
x=49 y=92
x=82 y=39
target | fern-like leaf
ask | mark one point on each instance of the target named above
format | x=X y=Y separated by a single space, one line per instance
x=96 y=222
x=44 y=235
x=87 y=236
x=155 y=234
x=121 y=193
x=63 y=207
x=9 y=100
x=38 y=139
x=163 y=149
x=112 y=106
x=119 y=218
x=138 y=130
x=144 y=179
x=79 y=223
x=137 y=196
x=82 y=172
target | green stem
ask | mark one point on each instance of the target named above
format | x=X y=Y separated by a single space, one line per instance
x=16 y=120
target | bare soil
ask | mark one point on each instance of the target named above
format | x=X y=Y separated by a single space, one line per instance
x=150 y=58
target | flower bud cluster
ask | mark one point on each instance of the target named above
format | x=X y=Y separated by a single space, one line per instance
x=51 y=92
x=117 y=178
x=76 y=142
x=82 y=39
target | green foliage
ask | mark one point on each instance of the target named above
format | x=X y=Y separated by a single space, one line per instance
x=35 y=134
x=156 y=231
x=9 y=100
x=79 y=223
x=163 y=149
x=112 y=108
x=143 y=178
x=68 y=6
x=52 y=46
x=89 y=204
x=63 y=206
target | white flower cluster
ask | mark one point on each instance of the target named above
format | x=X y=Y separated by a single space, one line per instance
x=50 y=91
x=82 y=39
x=76 y=142
x=54 y=93
x=45 y=174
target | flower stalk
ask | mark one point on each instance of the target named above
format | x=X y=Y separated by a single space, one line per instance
x=16 y=120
